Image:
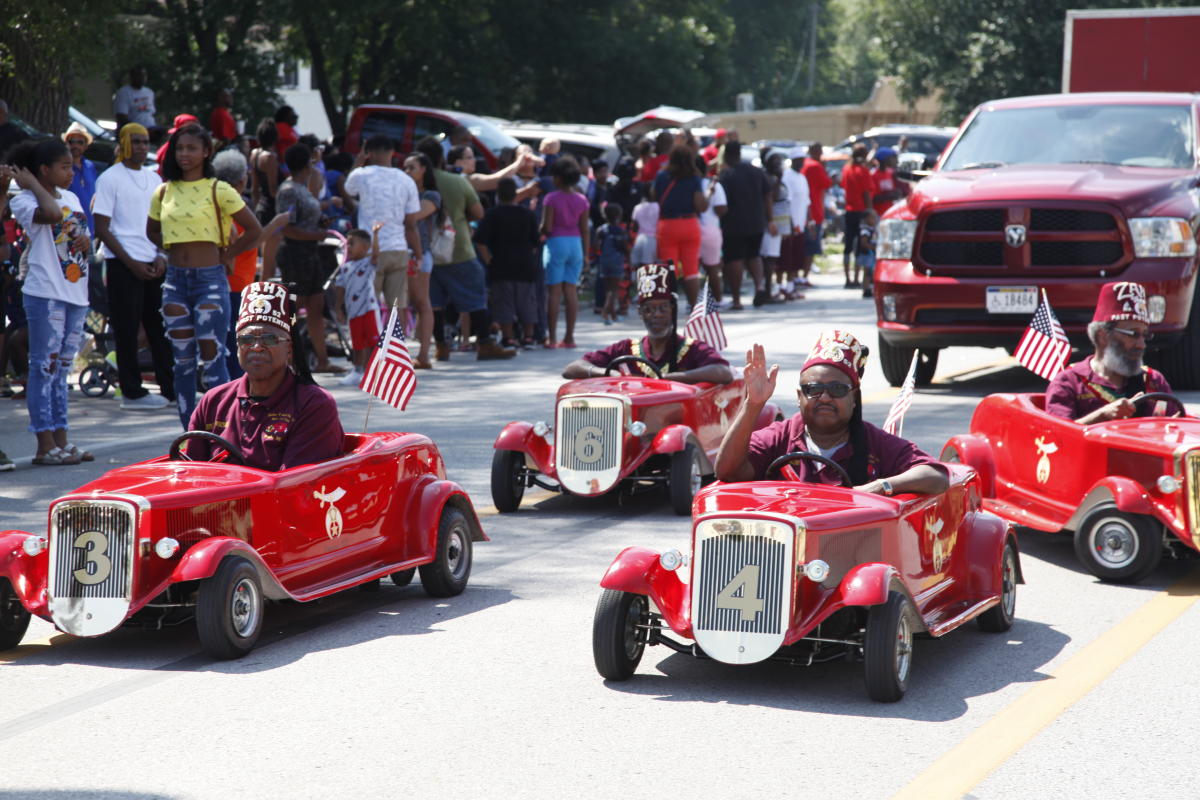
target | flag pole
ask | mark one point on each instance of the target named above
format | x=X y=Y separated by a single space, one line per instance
x=367 y=417
x=912 y=375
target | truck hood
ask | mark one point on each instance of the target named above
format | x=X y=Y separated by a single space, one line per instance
x=1135 y=191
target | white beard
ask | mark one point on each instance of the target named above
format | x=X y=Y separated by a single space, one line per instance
x=1120 y=362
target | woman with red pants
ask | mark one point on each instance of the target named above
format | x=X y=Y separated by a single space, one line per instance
x=681 y=200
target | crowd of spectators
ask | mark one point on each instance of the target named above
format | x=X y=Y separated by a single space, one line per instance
x=480 y=263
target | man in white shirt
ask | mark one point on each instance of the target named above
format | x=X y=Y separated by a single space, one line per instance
x=792 y=248
x=386 y=194
x=134 y=269
x=134 y=102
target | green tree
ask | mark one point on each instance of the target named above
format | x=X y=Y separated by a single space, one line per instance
x=975 y=50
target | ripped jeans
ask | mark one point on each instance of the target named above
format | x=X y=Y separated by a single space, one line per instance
x=203 y=294
x=55 y=331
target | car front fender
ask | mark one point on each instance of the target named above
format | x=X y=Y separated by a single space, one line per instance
x=202 y=559
x=988 y=534
x=1128 y=496
x=974 y=451
x=637 y=570
x=867 y=585
x=425 y=507
x=27 y=574
x=519 y=436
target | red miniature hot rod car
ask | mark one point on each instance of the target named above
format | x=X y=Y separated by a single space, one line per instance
x=1127 y=488
x=168 y=539
x=629 y=429
x=807 y=573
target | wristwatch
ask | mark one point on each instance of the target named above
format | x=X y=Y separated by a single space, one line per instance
x=888 y=489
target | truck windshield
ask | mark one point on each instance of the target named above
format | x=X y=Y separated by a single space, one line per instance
x=492 y=137
x=1128 y=135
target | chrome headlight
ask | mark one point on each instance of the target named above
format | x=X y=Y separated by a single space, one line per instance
x=816 y=570
x=637 y=428
x=896 y=238
x=1162 y=237
x=166 y=547
x=671 y=560
x=540 y=428
x=34 y=545
x=1168 y=484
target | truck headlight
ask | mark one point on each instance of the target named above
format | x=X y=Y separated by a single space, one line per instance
x=896 y=238
x=1159 y=237
x=1156 y=307
x=889 y=307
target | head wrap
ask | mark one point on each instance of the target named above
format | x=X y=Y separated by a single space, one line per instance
x=266 y=303
x=76 y=129
x=1121 y=301
x=125 y=146
x=655 y=282
x=841 y=350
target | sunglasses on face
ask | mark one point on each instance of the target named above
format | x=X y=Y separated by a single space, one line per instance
x=259 y=339
x=1144 y=336
x=835 y=390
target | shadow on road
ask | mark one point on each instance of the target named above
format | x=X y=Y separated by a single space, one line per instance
x=78 y=794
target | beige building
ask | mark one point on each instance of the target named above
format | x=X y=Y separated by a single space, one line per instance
x=828 y=124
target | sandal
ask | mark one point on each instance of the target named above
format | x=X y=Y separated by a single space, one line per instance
x=83 y=455
x=55 y=457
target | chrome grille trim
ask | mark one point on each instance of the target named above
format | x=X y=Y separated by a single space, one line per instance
x=116 y=523
x=724 y=556
x=1193 y=494
x=604 y=419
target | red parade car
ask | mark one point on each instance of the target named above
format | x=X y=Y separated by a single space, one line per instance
x=806 y=573
x=1127 y=488
x=635 y=430
x=167 y=540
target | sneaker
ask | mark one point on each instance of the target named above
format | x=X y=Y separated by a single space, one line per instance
x=352 y=378
x=147 y=402
x=489 y=350
x=6 y=463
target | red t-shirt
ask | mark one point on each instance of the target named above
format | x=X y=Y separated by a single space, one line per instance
x=287 y=138
x=651 y=168
x=818 y=182
x=221 y=123
x=885 y=181
x=857 y=182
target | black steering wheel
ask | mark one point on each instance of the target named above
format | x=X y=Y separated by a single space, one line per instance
x=1165 y=396
x=797 y=455
x=632 y=359
x=233 y=455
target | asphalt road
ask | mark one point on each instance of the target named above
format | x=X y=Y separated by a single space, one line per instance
x=494 y=693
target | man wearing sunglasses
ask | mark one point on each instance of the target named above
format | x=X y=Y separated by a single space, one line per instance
x=677 y=357
x=274 y=413
x=1107 y=385
x=830 y=424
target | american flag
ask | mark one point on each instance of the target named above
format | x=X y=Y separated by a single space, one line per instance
x=390 y=375
x=704 y=323
x=1044 y=348
x=895 y=418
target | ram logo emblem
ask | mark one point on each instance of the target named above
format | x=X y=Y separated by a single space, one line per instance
x=1014 y=235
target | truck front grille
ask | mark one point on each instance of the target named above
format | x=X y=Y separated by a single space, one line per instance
x=93 y=549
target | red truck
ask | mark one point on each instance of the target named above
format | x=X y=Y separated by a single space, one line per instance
x=1056 y=192
x=1131 y=50
x=407 y=125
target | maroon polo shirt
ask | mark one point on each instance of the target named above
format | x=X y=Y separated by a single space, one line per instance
x=889 y=455
x=298 y=424
x=692 y=354
x=1078 y=391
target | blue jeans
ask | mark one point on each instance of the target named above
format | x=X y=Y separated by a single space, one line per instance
x=203 y=294
x=55 y=331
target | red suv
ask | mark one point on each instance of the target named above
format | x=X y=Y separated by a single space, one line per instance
x=409 y=124
x=1055 y=192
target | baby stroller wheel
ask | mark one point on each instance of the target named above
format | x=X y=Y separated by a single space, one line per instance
x=93 y=381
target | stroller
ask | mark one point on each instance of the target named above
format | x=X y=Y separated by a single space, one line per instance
x=99 y=373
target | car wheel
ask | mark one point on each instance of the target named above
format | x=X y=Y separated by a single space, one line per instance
x=14 y=619
x=686 y=479
x=927 y=360
x=887 y=649
x=619 y=633
x=508 y=480
x=895 y=362
x=447 y=575
x=93 y=382
x=403 y=577
x=999 y=617
x=1116 y=546
x=229 y=609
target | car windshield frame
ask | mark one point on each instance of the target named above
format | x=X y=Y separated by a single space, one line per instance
x=488 y=134
x=1078 y=133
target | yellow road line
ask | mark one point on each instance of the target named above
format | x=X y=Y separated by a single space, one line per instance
x=970 y=761
x=32 y=646
x=530 y=498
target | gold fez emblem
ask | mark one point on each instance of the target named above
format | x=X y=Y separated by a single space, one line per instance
x=333 y=517
x=939 y=548
x=1043 y=465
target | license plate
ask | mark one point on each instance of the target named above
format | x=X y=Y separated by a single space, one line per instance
x=1012 y=299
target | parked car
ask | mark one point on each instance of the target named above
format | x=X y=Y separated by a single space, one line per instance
x=168 y=540
x=928 y=140
x=623 y=430
x=407 y=125
x=1128 y=489
x=104 y=142
x=807 y=573
x=595 y=142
